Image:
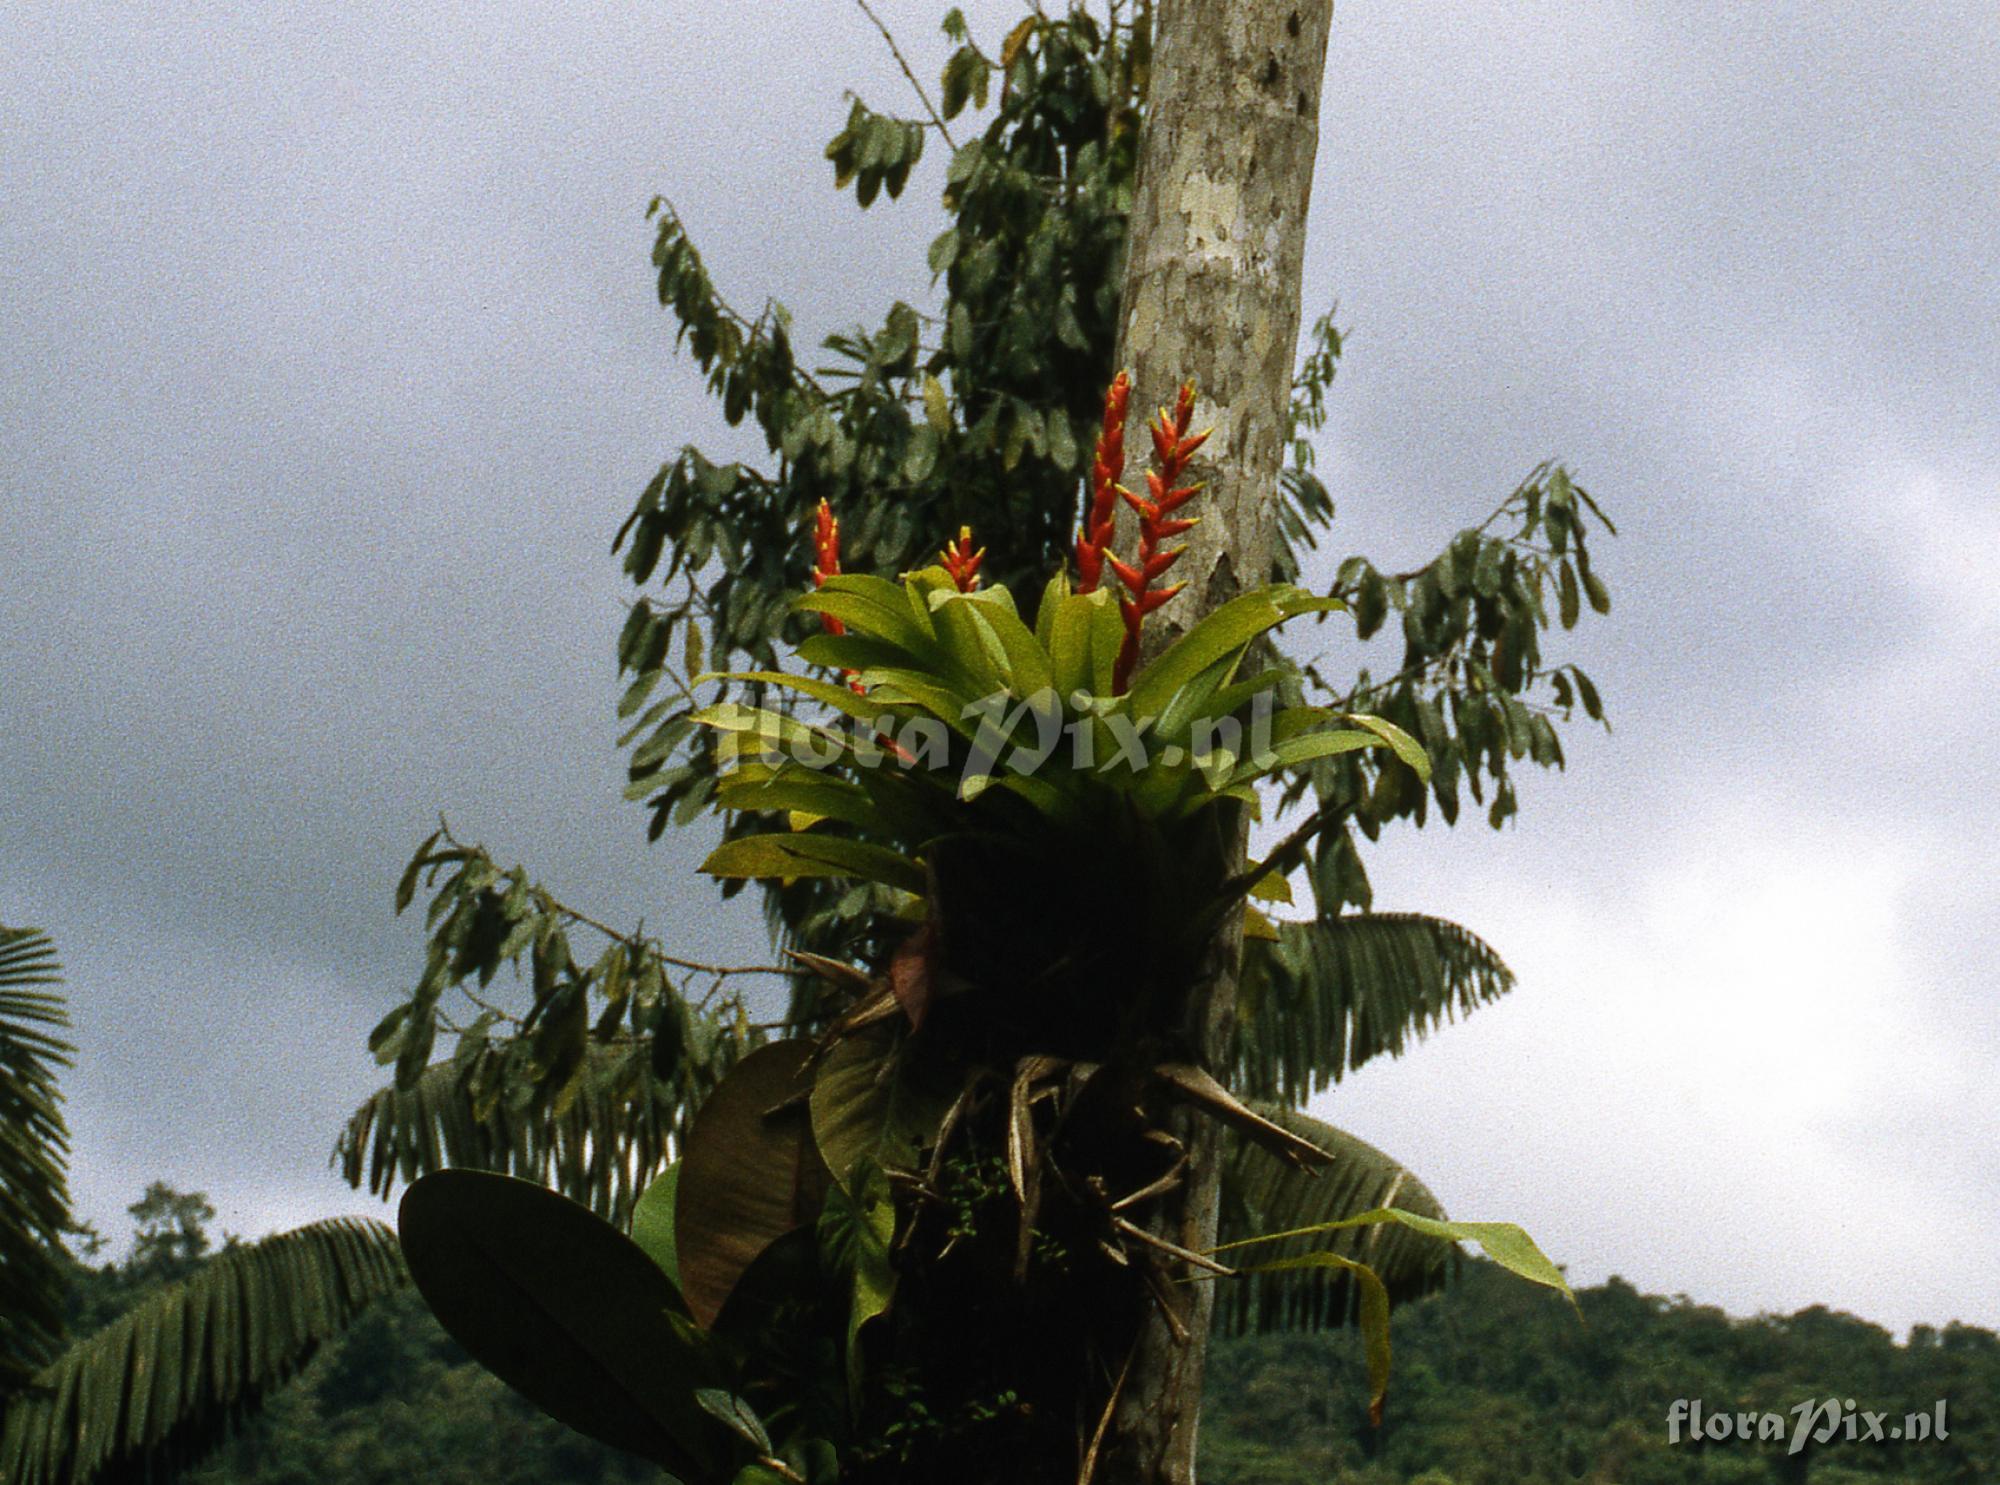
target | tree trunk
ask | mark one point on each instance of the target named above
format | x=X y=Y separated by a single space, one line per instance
x=1211 y=292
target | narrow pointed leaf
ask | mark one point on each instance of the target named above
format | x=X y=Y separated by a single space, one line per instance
x=792 y=856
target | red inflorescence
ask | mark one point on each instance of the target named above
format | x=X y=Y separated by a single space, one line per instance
x=1104 y=487
x=962 y=562
x=1173 y=448
x=826 y=564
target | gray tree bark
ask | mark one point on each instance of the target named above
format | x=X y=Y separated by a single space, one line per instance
x=1217 y=248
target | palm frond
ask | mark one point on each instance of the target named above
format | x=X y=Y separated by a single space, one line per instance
x=1327 y=996
x=1262 y=1193
x=615 y=1133
x=172 y=1378
x=34 y=1155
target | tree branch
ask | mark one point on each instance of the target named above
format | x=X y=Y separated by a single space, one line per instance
x=897 y=52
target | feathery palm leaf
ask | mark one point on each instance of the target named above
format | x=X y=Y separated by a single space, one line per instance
x=1263 y=1193
x=615 y=1134
x=1326 y=996
x=34 y=1149
x=172 y=1379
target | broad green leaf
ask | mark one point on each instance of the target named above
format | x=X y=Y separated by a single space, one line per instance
x=653 y=1222
x=756 y=730
x=793 y=856
x=1107 y=640
x=565 y=1309
x=864 y=616
x=928 y=691
x=1593 y=585
x=937 y=408
x=850 y=652
x=736 y=1415
x=1053 y=594
x=975 y=649
x=1406 y=747
x=1296 y=750
x=801 y=790
x=1196 y=700
x=863 y=1112
x=1272 y=887
x=1027 y=663
x=856 y=1230
x=1073 y=642
x=1220 y=634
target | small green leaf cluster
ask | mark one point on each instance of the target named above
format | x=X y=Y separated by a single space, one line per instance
x=1471 y=625
x=588 y=1087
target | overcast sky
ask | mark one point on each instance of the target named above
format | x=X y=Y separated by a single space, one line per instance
x=329 y=364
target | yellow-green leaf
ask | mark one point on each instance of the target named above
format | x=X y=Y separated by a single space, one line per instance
x=792 y=856
x=1503 y=1242
x=937 y=408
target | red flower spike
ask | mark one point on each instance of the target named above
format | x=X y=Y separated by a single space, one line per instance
x=1106 y=467
x=962 y=562
x=1173 y=449
x=826 y=564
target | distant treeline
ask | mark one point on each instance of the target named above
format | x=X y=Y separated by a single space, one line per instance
x=1494 y=1384
x=1497 y=1384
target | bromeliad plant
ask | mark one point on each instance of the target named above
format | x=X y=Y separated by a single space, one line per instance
x=915 y=1246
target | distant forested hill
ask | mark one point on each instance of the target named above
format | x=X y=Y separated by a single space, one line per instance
x=1497 y=1384
x=1494 y=1384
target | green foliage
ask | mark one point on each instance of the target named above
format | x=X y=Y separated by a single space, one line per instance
x=173 y=1377
x=1323 y=997
x=1498 y=1385
x=567 y=1310
x=1061 y=899
x=588 y=1089
x=994 y=954
x=1263 y=1194
x=982 y=412
x=391 y=1397
x=1495 y=1384
x=34 y=1148
x=170 y=1233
